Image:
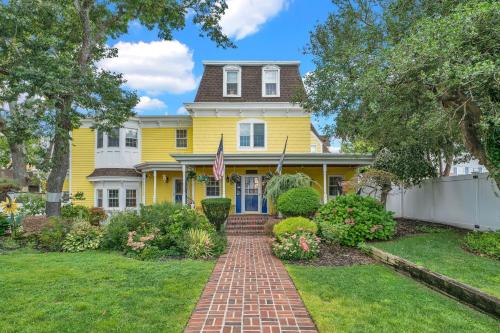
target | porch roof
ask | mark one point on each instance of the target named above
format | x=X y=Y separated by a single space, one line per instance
x=273 y=159
x=159 y=166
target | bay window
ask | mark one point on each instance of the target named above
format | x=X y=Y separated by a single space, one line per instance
x=114 y=138
x=131 y=198
x=100 y=139
x=131 y=138
x=113 y=198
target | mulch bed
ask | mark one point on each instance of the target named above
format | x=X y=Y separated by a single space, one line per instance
x=337 y=255
x=407 y=227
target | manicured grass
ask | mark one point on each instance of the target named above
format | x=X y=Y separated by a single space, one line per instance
x=373 y=298
x=97 y=292
x=442 y=252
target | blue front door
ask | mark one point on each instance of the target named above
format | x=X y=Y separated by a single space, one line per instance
x=251 y=191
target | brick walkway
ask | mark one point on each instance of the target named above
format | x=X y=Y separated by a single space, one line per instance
x=250 y=291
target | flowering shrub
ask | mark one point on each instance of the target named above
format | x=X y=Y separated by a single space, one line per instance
x=83 y=236
x=199 y=244
x=297 y=246
x=351 y=219
x=53 y=233
x=141 y=243
x=97 y=216
x=294 y=224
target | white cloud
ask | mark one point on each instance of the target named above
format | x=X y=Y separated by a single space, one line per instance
x=245 y=17
x=181 y=111
x=147 y=103
x=155 y=67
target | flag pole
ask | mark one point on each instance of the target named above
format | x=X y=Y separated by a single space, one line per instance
x=223 y=172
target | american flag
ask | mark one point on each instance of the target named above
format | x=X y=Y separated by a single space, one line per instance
x=280 y=164
x=219 y=160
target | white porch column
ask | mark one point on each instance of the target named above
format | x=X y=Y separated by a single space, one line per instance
x=154 y=186
x=325 y=193
x=183 y=184
x=143 y=194
x=224 y=183
x=192 y=192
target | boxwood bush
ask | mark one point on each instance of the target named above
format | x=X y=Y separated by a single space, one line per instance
x=301 y=201
x=351 y=219
x=216 y=210
x=293 y=225
x=484 y=243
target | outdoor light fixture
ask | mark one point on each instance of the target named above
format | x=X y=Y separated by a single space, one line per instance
x=165 y=178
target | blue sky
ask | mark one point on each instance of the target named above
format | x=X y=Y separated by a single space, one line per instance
x=166 y=74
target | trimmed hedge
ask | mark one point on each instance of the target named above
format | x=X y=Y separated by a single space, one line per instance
x=216 y=210
x=301 y=201
x=293 y=225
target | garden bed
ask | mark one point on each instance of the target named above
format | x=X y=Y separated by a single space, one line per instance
x=337 y=255
x=407 y=227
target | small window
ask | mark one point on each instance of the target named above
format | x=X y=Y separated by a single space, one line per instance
x=232 y=81
x=181 y=138
x=252 y=135
x=455 y=171
x=98 y=195
x=335 y=185
x=466 y=170
x=100 y=139
x=131 y=198
x=113 y=198
x=270 y=81
x=131 y=138
x=313 y=148
x=212 y=188
x=114 y=138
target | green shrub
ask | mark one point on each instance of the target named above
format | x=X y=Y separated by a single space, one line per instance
x=351 y=219
x=75 y=212
x=83 y=236
x=293 y=225
x=297 y=246
x=301 y=201
x=32 y=204
x=216 y=210
x=4 y=225
x=200 y=244
x=9 y=243
x=279 y=184
x=116 y=230
x=484 y=243
x=97 y=216
x=53 y=233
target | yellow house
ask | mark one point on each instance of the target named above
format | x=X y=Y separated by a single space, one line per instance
x=170 y=158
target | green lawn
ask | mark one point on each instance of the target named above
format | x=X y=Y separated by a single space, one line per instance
x=373 y=298
x=97 y=292
x=441 y=252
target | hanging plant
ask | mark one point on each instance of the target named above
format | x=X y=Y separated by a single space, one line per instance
x=234 y=178
x=267 y=176
x=190 y=175
x=203 y=179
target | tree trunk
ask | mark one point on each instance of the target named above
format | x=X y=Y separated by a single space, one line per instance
x=384 y=194
x=60 y=162
x=18 y=155
x=447 y=167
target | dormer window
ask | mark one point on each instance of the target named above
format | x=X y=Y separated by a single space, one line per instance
x=270 y=81
x=232 y=81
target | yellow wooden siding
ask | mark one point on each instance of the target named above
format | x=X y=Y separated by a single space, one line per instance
x=317 y=142
x=82 y=164
x=164 y=188
x=207 y=132
x=66 y=185
x=159 y=143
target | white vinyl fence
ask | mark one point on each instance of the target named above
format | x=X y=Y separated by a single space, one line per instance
x=469 y=201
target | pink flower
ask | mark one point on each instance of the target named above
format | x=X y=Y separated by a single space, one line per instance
x=375 y=228
x=350 y=221
x=303 y=244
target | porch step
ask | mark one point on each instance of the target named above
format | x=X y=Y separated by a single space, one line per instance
x=246 y=224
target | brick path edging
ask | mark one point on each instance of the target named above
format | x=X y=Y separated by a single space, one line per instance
x=250 y=291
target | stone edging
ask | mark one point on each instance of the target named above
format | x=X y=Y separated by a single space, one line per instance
x=463 y=292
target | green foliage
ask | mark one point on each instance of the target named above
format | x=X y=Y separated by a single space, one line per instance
x=293 y=225
x=216 y=210
x=297 y=246
x=83 y=236
x=75 y=212
x=484 y=243
x=53 y=233
x=301 y=201
x=97 y=216
x=279 y=184
x=9 y=244
x=4 y=224
x=351 y=219
x=115 y=232
x=7 y=185
x=33 y=204
x=200 y=244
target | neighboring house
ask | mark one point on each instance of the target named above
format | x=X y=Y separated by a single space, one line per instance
x=467 y=168
x=161 y=158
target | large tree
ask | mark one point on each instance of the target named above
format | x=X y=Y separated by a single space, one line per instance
x=411 y=74
x=50 y=49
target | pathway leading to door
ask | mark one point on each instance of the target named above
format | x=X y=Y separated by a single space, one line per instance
x=250 y=291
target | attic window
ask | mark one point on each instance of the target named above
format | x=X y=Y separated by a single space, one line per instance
x=270 y=81
x=232 y=81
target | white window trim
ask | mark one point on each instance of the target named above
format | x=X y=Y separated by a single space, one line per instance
x=328 y=185
x=119 y=198
x=251 y=122
x=214 y=196
x=224 y=80
x=125 y=137
x=187 y=138
x=274 y=68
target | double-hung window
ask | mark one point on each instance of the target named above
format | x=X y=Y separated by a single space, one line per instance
x=212 y=188
x=99 y=198
x=131 y=138
x=335 y=185
x=270 y=81
x=100 y=139
x=114 y=138
x=232 y=81
x=252 y=134
x=131 y=198
x=113 y=198
x=181 y=138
